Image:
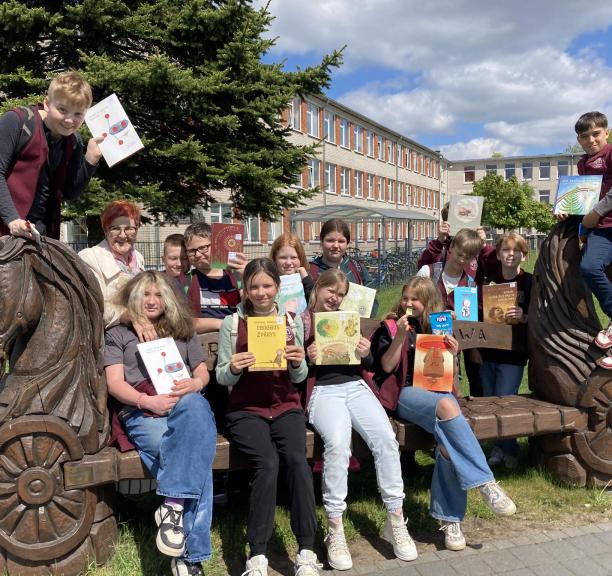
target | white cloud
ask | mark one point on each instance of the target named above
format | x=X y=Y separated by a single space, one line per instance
x=479 y=148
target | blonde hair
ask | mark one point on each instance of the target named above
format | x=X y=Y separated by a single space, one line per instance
x=292 y=240
x=427 y=293
x=515 y=237
x=468 y=241
x=176 y=319
x=327 y=279
x=71 y=87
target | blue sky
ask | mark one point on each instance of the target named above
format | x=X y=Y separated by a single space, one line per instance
x=467 y=77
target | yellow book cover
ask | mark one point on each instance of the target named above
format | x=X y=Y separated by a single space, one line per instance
x=337 y=335
x=496 y=299
x=433 y=364
x=267 y=338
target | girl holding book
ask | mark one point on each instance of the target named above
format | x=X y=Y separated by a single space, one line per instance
x=340 y=398
x=266 y=422
x=174 y=433
x=460 y=462
x=288 y=254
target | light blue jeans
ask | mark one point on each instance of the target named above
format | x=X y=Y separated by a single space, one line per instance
x=334 y=411
x=467 y=467
x=179 y=450
x=502 y=380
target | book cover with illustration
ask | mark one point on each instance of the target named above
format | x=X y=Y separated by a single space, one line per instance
x=225 y=242
x=441 y=323
x=291 y=296
x=107 y=119
x=466 y=303
x=337 y=335
x=464 y=212
x=496 y=300
x=577 y=194
x=267 y=338
x=433 y=364
x=359 y=299
x=164 y=363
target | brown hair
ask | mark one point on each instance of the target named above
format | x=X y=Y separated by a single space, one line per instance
x=253 y=268
x=201 y=229
x=515 y=237
x=427 y=293
x=175 y=240
x=335 y=225
x=468 y=241
x=71 y=87
x=118 y=208
x=590 y=120
x=327 y=279
x=289 y=239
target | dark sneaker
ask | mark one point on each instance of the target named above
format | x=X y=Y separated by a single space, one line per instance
x=170 y=536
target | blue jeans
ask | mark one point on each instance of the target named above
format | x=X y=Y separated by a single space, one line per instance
x=179 y=450
x=597 y=255
x=467 y=467
x=502 y=380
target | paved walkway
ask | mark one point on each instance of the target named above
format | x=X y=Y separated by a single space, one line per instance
x=574 y=551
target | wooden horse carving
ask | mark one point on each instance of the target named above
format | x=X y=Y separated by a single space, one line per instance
x=52 y=405
x=562 y=326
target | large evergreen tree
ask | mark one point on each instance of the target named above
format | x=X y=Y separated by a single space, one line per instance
x=190 y=77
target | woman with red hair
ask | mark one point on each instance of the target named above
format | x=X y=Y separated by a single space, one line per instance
x=115 y=260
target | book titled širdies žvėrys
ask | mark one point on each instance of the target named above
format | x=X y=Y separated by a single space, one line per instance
x=266 y=339
x=433 y=364
x=577 y=194
x=225 y=242
x=164 y=363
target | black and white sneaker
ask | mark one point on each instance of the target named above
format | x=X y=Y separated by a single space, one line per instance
x=170 y=536
x=180 y=567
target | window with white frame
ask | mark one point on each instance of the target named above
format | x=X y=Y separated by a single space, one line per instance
x=562 y=168
x=220 y=213
x=251 y=229
x=345 y=179
x=370 y=143
x=314 y=172
x=370 y=186
x=469 y=174
x=358 y=134
x=298 y=180
x=408 y=194
x=400 y=158
x=294 y=114
x=370 y=231
x=330 y=178
x=422 y=197
x=312 y=120
x=381 y=147
x=544 y=196
x=390 y=151
x=315 y=230
x=391 y=187
x=275 y=229
x=527 y=169
x=436 y=199
x=358 y=178
x=509 y=170
x=379 y=188
x=390 y=227
x=344 y=133
x=491 y=169
x=545 y=170
x=329 y=129
x=360 y=226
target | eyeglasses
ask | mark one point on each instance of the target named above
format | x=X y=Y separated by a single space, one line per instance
x=201 y=249
x=127 y=230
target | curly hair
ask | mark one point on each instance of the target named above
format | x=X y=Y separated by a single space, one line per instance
x=118 y=208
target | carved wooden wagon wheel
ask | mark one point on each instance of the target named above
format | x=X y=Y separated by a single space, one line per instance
x=562 y=326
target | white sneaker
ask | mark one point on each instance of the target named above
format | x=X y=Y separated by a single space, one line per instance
x=338 y=555
x=307 y=564
x=170 y=537
x=453 y=537
x=496 y=499
x=397 y=535
x=256 y=566
x=180 y=567
x=496 y=457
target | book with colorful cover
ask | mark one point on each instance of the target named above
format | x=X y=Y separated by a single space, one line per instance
x=496 y=300
x=577 y=194
x=267 y=338
x=359 y=299
x=291 y=296
x=441 y=323
x=433 y=364
x=464 y=212
x=227 y=239
x=107 y=119
x=164 y=363
x=337 y=335
x=466 y=303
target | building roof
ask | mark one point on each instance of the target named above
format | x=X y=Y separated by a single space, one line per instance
x=356 y=213
x=558 y=155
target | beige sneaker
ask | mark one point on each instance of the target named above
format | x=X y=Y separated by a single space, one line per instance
x=256 y=566
x=496 y=499
x=338 y=555
x=453 y=537
x=307 y=564
x=397 y=535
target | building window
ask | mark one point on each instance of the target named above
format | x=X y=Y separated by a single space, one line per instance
x=312 y=120
x=358 y=184
x=390 y=151
x=391 y=186
x=491 y=169
x=422 y=197
x=370 y=143
x=544 y=170
x=527 y=168
x=370 y=187
x=358 y=133
x=344 y=133
x=400 y=158
x=275 y=229
x=313 y=172
x=379 y=188
x=251 y=229
x=469 y=174
x=381 y=147
x=370 y=231
x=330 y=178
x=562 y=168
x=220 y=213
x=509 y=171
x=345 y=179
x=544 y=196
x=408 y=194
x=436 y=199
x=294 y=114
x=329 y=132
